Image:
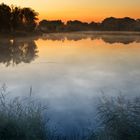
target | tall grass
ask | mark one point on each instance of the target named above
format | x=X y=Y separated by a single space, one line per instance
x=21 y=119
x=119 y=119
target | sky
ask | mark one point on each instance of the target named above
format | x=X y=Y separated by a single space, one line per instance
x=84 y=10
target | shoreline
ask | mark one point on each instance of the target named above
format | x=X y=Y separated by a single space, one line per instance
x=37 y=34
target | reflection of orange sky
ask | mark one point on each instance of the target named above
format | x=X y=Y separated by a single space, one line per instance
x=85 y=10
x=95 y=49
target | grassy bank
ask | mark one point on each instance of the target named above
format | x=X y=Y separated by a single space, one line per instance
x=23 y=119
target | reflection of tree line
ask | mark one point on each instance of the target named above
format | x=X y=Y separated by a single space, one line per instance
x=15 y=51
x=108 y=38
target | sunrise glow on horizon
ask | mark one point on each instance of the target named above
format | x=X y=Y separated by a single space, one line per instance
x=84 y=10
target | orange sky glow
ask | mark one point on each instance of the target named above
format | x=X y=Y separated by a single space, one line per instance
x=84 y=10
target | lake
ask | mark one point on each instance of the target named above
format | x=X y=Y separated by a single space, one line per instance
x=71 y=71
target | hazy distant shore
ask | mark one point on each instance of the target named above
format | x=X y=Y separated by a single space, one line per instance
x=30 y=34
x=111 y=37
x=111 y=32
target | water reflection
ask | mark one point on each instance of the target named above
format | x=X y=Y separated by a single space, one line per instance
x=80 y=70
x=16 y=51
x=108 y=38
x=24 y=50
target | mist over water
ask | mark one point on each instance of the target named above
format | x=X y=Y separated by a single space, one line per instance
x=71 y=71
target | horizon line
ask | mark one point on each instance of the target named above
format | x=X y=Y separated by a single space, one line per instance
x=85 y=21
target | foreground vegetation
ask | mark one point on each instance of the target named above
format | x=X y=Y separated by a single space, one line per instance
x=20 y=21
x=119 y=119
x=23 y=119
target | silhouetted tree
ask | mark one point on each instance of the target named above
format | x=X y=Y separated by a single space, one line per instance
x=118 y=24
x=77 y=26
x=5 y=17
x=17 y=19
x=94 y=26
x=29 y=17
x=137 y=26
x=51 y=26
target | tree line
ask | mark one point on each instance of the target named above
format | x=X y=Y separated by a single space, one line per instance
x=17 y=19
x=108 y=24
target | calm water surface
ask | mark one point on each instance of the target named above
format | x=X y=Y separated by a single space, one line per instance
x=71 y=71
